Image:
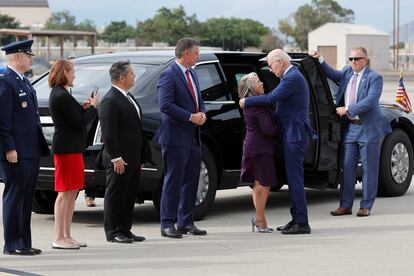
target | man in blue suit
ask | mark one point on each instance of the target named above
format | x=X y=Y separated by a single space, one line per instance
x=358 y=104
x=182 y=111
x=291 y=97
x=21 y=145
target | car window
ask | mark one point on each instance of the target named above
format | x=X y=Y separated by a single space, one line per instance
x=211 y=85
x=207 y=76
x=238 y=77
x=234 y=72
x=87 y=77
x=3 y=66
x=333 y=87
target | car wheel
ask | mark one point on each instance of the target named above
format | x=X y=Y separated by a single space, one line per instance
x=44 y=201
x=207 y=186
x=396 y=164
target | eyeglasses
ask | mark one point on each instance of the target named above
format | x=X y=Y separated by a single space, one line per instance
x=355 y=58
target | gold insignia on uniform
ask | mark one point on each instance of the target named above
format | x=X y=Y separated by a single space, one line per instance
x=24 y=104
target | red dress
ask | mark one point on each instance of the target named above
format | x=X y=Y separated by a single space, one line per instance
x=69 y=172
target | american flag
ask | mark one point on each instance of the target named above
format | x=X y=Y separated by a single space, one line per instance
x=402 y=97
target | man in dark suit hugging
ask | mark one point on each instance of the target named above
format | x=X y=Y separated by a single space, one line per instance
x=125 y=150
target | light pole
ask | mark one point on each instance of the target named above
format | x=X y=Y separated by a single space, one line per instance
x=396 y=32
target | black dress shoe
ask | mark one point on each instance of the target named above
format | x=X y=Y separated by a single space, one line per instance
x=121 y=239
x=21 y=252
x=171 y=233
x=286 y=226
x=35 y=250
x=298 y=229
x=136 y=238
x=192 y=229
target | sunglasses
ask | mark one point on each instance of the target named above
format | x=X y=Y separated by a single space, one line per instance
x=355 y=58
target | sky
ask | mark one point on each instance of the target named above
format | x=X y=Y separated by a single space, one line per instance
x=376 y=13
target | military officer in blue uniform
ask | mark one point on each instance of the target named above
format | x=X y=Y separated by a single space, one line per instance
x=21 y=145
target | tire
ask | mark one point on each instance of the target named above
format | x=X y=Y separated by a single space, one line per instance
x=207 y=186
x=396 y=164
x=44 y=202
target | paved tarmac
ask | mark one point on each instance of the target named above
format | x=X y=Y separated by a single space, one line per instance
x=382 y=244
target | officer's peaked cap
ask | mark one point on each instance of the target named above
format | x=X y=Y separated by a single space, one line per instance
x=24 y=46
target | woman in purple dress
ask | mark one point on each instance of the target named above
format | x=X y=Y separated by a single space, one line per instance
x=258 y=163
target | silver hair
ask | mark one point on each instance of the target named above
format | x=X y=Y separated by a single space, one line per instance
x=278 y=54
x=246 y=85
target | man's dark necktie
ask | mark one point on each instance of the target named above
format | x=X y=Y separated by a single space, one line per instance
x=190 y=85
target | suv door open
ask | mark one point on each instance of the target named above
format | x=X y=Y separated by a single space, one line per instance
x=326 y=168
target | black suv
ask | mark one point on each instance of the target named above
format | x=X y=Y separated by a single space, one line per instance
x=222 y=135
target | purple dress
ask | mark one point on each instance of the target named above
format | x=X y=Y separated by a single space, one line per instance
x=259 y=146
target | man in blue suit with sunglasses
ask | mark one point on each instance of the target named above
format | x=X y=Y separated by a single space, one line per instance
x=358 y=105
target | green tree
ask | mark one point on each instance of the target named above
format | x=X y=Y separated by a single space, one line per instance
x=86 y=25
x=168 y=25
x=118 y=31
x=61 y=21
x=7 y=22
x=232 y=33
x=311 y=16
x=65 y=21
x=271 y=41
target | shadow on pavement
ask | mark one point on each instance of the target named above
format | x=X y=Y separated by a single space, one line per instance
x=223 y=206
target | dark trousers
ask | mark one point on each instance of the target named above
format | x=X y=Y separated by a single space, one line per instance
x=294 y=154
x=120 y=195
x=20 y=182
x=181 y=176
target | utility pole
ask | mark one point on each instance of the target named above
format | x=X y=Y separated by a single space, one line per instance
x=393 y=35
x=398 y=32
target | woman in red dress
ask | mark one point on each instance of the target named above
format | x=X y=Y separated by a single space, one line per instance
x=258 y=163
x=69 y=142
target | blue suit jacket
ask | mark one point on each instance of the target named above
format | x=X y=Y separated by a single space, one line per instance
x=292 y=103
x=20 y=127
x=374 y=124
x=176 y=105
